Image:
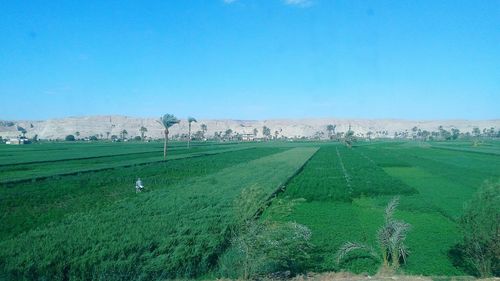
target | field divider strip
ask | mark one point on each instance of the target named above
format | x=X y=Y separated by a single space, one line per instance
x=103 y=156
x=95 y=157
x=367 y=158
x=346 y=175
x=281 y=188
x=78 y=158
x=34 y=179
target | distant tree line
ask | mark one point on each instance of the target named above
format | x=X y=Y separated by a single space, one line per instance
x=330 y=132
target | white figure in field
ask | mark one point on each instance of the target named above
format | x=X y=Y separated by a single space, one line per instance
x=138 y=185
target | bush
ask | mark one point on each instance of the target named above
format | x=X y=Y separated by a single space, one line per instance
x=265 y=248
x=261 y=247
x=480 y=227
x=70 y=138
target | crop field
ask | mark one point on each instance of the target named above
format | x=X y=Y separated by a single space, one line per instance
x=95 y=225
x=346 y=191
x=70 y=211
x=48 y=160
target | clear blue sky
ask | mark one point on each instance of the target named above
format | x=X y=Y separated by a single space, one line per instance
x=251 y=59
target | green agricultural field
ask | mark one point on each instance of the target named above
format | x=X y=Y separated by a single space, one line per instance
x=346 y=190
x=21 y=163
x=55 y=151
x=95 y=225
x=69 y=211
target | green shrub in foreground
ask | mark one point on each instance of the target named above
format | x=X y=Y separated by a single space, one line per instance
x=480 y=226
x=262 y=247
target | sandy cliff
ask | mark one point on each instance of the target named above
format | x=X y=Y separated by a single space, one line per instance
x=96 y=125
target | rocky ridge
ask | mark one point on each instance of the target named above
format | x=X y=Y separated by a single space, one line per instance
x=114 y=124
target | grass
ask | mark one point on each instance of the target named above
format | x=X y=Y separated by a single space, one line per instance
x=93 y=225
x=61 y=151
x=337 y=173
x=31 y=171
x=177 y=231
x=30 y=205
x=433 y=184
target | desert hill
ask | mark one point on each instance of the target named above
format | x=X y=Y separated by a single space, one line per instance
x=114 y=124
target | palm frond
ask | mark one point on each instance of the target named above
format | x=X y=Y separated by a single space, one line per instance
x=396 y=242
x=403 y=252
x=348 y=247
x=192 y=119
x=391 y=208
x=168 y=120
x=384 y=235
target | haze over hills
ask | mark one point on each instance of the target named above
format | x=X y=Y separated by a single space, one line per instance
x=114 y=124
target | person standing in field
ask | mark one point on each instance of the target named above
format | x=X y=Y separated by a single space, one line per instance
x=138 y=185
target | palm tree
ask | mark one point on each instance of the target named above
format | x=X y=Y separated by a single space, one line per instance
x=123 y=134
x=390 y=236
x=143 y=130
x=190 y=120
x=204 y=129
x=228 y=133
x=107 y=134
x=349 y=137
x=167 y=121
x=331 y=130
x=369 y=135
x=476 y=132
x=266 y=132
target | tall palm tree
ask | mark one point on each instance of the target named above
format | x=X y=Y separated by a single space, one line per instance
x=266 y=132
x=190 y=120
x=227 y=134
x=331 y=130
x=167 y=121
x=143 y=130
x=204 y=129
x=349 y=137
x=124 y=134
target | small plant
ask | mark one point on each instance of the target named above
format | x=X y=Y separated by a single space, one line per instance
x=390 y=236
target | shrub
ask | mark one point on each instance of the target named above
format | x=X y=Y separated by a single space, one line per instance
x=260 y=247
x=480 y=227
x=265 y=248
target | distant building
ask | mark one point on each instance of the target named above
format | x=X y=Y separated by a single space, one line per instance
x=247 y=137
x=18 y=141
